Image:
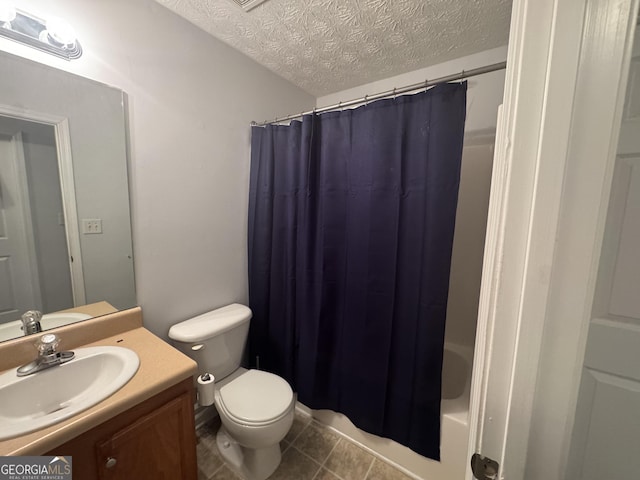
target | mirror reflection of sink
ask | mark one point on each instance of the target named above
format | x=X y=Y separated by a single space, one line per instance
x=50 y=396
x=13 y=329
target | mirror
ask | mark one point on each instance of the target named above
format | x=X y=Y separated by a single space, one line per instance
x=65 y=225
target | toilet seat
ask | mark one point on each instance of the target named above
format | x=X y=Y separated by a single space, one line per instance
x=255 y=398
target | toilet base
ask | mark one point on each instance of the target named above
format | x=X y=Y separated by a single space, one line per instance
x=250 y=463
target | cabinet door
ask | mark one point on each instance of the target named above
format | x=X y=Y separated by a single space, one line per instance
x=157 y=446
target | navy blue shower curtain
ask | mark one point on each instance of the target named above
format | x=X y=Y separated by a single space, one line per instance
x=351 y=219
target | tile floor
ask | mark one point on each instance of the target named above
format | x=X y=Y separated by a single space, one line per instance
x=310 y=451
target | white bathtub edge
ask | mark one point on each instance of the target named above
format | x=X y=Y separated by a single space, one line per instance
x=454 y=429
x=304 y=410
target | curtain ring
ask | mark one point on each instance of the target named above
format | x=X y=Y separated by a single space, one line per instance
x=394 y=93
x=340 y=105
x=366 y=102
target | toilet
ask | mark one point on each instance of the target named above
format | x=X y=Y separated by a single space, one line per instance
x=256 y=408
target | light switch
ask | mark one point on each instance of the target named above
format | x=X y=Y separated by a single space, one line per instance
x=91 y=225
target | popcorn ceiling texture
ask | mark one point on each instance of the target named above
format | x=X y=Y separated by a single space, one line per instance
x=324 y=46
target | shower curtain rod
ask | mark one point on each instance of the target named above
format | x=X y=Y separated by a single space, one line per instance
x=392 y=93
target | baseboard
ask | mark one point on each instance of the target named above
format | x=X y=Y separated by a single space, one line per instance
x=204 y=415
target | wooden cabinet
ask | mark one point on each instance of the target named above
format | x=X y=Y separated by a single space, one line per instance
x=154 y=440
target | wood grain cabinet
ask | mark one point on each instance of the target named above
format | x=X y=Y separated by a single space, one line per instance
x=154 y=440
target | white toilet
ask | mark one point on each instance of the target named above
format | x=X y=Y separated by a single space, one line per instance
x=256 y=408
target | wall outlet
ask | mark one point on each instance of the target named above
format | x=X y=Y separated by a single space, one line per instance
x=91 y=225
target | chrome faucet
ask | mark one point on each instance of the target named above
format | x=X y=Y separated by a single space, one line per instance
x=48 y=356
x=31 y=322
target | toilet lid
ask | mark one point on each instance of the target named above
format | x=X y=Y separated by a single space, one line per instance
x=256 y=396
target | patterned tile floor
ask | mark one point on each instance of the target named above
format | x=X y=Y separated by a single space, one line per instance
x=310 y=451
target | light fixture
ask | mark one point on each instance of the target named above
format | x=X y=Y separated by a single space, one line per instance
x=7 y=13
x=60 y=33
x=53 y=35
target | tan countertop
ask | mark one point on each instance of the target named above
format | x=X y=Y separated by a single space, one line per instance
x=161 y=366
x=93 y=309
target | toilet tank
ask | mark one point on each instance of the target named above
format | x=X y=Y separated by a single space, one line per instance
x=215 y=340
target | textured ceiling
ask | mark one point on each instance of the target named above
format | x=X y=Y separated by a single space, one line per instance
x=324 y=46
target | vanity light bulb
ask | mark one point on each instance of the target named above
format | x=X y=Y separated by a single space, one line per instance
x=7 y=12
x=60 y=32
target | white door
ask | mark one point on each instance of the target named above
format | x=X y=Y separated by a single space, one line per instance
x=557 y=374
x=19 y=288
x=606 y=434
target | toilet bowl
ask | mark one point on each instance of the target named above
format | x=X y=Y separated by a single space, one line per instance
x=256 y=408
x=250 y=435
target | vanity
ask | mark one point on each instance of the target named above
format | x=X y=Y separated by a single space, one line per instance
x=145 y=430
x=72 y=250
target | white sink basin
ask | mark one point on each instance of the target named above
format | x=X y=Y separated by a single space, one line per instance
x=11 y=330
x=55 y=394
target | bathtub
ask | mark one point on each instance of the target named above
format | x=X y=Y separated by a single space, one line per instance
x=456 y=387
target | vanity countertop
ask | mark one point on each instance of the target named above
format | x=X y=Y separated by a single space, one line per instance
x=161 y=366
x=93 y=309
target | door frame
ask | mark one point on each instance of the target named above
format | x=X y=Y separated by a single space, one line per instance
x=67 y=188
x=27 y=222
x=552 y=69
x=22 y=230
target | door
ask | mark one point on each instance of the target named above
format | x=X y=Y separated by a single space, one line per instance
x=606 y=432
x=19 y=288
x=555 y=390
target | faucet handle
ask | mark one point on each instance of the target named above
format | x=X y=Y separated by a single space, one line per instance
x=32 y=315
x=48 y=344
x=31 y=322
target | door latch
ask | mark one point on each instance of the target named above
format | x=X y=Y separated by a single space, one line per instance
x=484 y=468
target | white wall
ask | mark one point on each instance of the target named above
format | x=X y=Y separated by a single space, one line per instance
x=190 y=100
x=484 y=95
